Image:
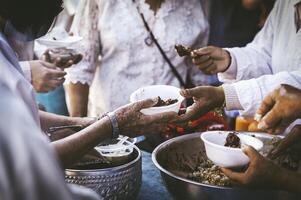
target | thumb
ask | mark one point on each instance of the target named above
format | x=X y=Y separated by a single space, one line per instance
x=145 y=103
x=203 y=51
x=250 y=152
x=190 y=93
x=50 y=65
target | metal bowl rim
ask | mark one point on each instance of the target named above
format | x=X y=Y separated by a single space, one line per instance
x=186 y=137
x=117 y=168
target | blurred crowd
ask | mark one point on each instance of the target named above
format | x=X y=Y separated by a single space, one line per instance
x=244 y=57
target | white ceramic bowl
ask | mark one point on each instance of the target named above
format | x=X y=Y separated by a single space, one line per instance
x=227 y=156
x=163 y=91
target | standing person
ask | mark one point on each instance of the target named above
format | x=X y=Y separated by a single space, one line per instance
x=25 y=153
x=120 y=55
x=251 y=72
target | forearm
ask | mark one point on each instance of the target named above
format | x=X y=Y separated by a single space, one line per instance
x=73 y=147
x=78 y=99
x=51 y=120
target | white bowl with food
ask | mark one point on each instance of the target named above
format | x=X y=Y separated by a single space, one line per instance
x=170 y=99
x=229 y=156
x=59 y=38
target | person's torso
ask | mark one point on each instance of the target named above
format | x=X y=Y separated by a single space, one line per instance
x=12 y=74
x=127 y=62
x=286 y=51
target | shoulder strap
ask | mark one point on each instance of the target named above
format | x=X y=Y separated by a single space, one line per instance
x=172 y=67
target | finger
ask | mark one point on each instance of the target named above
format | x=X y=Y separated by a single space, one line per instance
x=55 y=74
x=235 y=176
x=250 y=152
x=211 y=69
x=192 y=112
x=190 y=93
x=198 y=60
x=205 y=65
x=266 y=105
x=145 y=104
x=203 y=51
x=270 y=120
x=50 y=65
x=46 y=56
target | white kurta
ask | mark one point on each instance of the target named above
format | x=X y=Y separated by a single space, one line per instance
x=114 y=31
x=273 y=58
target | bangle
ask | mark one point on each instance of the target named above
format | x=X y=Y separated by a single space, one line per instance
x=114 y=123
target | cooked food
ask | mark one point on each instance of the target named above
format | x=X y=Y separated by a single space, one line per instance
x=194 y=165
x=167 y=102
x=64 y=54
x=233 y=141
x=208 y=173
x=183 y=51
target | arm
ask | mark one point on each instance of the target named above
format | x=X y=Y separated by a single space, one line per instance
x=253 y=60
x=78 y=97
x=250 y=93
x=51 y=120
x=72 y=148
x=79 y=77
x=130 y=122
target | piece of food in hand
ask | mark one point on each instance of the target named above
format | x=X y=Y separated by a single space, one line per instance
x=233 y=141
x=182 y=50
x=65 y=56
x=167 y=102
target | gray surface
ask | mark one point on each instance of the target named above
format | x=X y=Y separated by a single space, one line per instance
x=152 y=187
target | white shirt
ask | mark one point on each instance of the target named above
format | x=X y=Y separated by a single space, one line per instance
x=13 y=76
x=114 y=31
x=273 y=58
x=28 y=166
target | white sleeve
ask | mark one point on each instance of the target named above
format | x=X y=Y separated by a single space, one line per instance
x=25 y=66
x=254 y=60
x=85 y=24
x=251 y=92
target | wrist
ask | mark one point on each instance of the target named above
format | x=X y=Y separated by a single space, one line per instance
x=228 y=60
x=114 y=124
x=220 y=96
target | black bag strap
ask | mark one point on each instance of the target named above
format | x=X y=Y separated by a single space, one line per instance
x=172 y=67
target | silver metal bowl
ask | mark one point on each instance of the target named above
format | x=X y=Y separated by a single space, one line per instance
x=121 y=182
x=183 y=188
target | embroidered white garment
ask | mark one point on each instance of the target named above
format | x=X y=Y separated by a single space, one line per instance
x=117 y=60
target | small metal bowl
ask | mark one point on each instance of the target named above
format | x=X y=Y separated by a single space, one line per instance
x=120 y=182
x=182 y=188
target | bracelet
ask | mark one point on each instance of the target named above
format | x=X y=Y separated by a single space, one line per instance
x=114 y=123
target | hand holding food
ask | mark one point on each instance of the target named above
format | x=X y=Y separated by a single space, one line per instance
x=279 y=109
x=205 y=99
x=211 y=60
x=46 y=76
x=132 y=122
x=260 y=173
x=62 y=57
